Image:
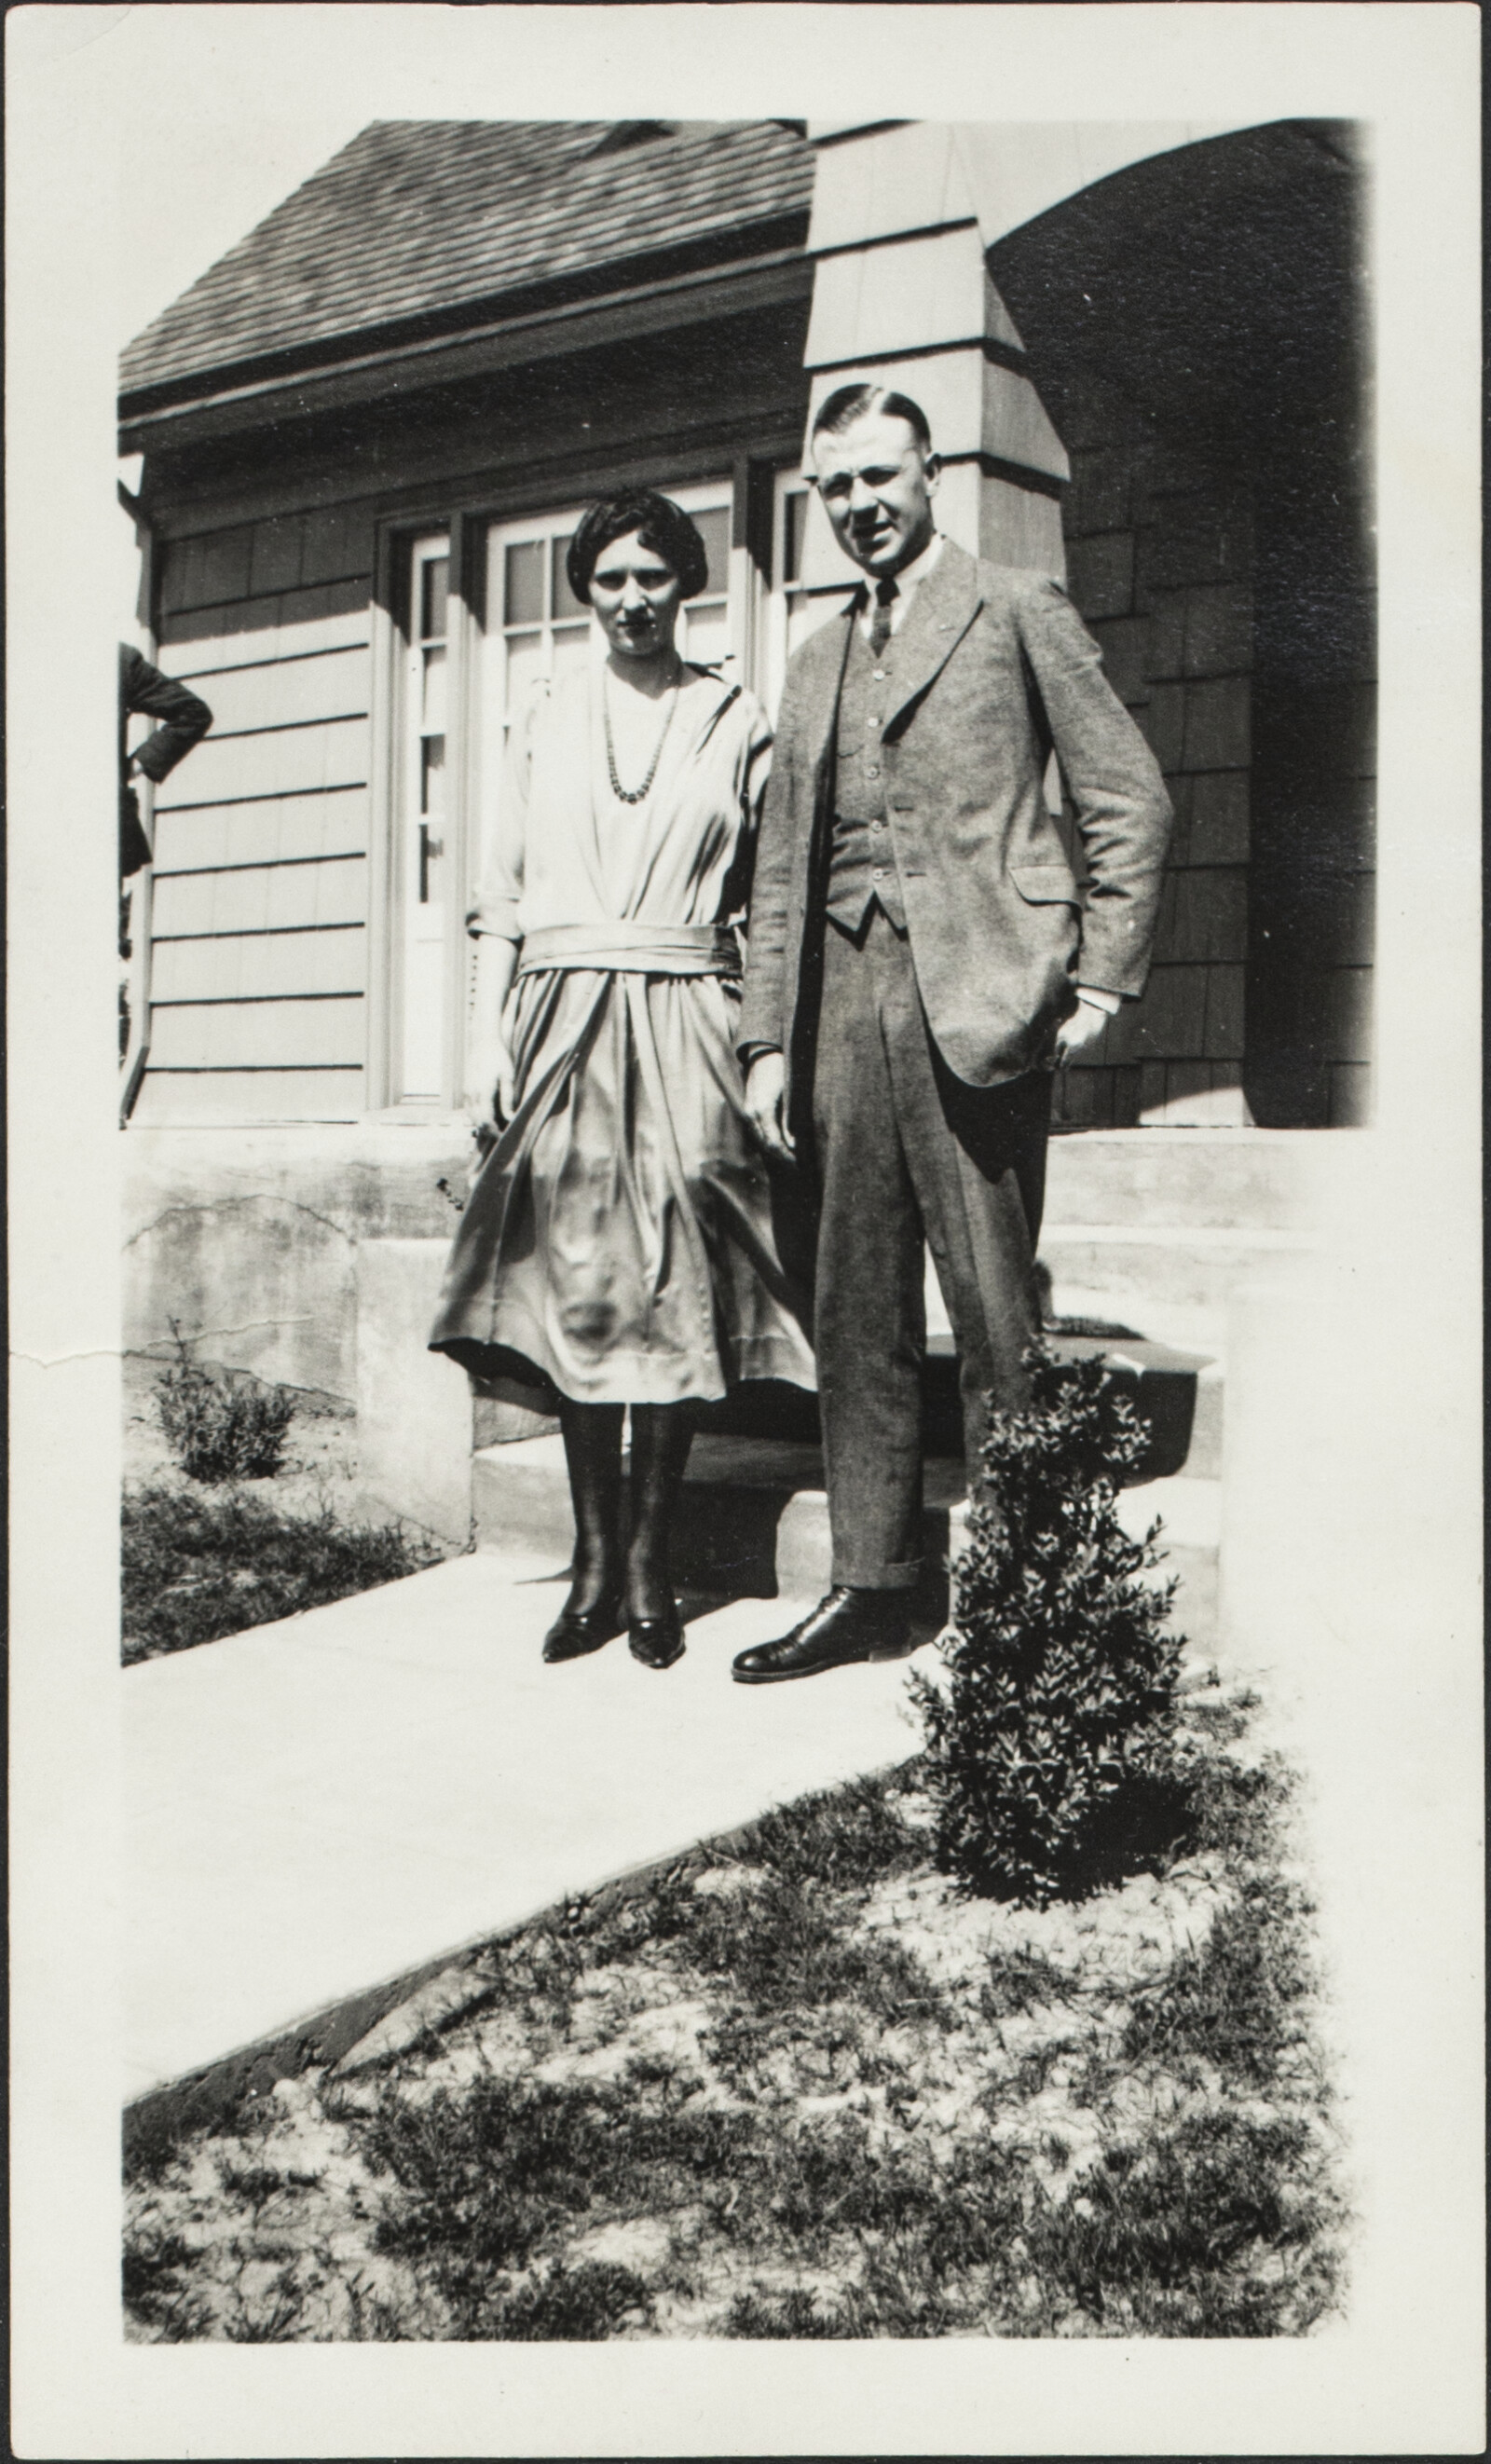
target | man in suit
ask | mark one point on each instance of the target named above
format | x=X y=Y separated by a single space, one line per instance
x=920 y=958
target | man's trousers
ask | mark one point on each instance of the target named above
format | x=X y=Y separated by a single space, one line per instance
x=905 y=1151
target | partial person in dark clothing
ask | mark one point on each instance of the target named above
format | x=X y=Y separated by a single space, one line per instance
x=185 y=719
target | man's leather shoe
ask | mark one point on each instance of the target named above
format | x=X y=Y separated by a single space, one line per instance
x=657 y=1641
x=577 y=1631
x=848 y=1625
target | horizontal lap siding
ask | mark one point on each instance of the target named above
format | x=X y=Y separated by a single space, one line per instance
x=275 y=829
x=256 y=1095
x=259 y=946
x=260 y=898
x=291 y=624
x=259 y=966
x=258 y=1034
x=289 y=692
x=278 y=761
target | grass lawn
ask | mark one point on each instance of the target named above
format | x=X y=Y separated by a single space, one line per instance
x=808 y=2091
x=201 y=1563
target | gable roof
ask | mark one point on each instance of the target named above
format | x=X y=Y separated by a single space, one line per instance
x=426 y=224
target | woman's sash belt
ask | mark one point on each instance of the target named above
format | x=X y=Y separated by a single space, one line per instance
x=633 y=949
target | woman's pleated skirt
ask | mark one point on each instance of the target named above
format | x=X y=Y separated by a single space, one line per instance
x=624 y=1241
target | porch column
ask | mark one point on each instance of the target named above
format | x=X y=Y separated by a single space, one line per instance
x=902 y=297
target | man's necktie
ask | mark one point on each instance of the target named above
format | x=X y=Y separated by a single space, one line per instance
x=880 y=622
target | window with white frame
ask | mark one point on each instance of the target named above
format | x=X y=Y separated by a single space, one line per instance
x=796 y=608
x=421 y=871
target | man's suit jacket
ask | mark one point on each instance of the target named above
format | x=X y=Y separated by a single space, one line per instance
x=992 y=667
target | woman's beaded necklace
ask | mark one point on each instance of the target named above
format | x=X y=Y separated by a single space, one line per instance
x=637 y=795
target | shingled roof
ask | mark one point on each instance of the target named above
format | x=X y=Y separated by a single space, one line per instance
x=428 y=224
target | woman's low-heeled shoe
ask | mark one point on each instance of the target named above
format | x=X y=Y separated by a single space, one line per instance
x=657 y=1641
x=577 y=1631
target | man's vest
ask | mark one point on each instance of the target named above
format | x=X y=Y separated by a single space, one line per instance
x=862 y=863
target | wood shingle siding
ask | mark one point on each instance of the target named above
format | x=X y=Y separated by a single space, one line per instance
x=256 y=561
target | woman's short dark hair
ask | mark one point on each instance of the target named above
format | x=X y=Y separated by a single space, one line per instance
x=659 y=523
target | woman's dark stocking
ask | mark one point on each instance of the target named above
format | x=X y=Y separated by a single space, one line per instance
x=661 y=1436
x=593 y=1457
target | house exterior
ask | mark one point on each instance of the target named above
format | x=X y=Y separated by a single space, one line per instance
x=367 y=433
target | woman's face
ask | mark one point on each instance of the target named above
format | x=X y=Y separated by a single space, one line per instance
x=637 y=598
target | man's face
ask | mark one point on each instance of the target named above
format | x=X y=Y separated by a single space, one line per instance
x=877 y=486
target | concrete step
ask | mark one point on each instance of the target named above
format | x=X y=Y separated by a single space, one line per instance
x=754 y=1520
x=1240 y=1180
x=1173 y=1282
x=1177 y=1394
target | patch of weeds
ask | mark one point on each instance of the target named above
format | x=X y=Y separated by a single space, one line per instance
x=543 y=1969
x=787 y=1947
x=221 y=1424
x=846 y=1838
x=1237 y=1809
x=151 y=2140
x=1224 y=1724
x=1032 y=2074
x=794 y=2314
x=1020 y=1981
x=255 y=2186
x=577 y=2306
x=1164 y=2239
x=156 y=2296
x=1236 y=2002
x=196 y=1568
x=274 y=2315
x=487 y=2175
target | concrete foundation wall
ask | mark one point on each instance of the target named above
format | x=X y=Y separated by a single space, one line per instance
x=248 y=1238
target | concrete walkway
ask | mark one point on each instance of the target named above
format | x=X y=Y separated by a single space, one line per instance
x=325 y=1803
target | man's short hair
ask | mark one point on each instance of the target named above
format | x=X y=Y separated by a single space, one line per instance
x=663 y=527
x=853 y=402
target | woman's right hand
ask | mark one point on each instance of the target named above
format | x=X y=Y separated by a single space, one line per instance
x=504 y=1098
x=492 y=1100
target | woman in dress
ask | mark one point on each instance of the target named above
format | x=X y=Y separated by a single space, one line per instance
x=617 y=1246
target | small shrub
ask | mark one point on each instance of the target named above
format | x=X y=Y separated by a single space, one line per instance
x=1049 y=1757
x=221 y=1424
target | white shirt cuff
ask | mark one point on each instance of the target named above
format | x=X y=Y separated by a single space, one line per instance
x=1112 y=1003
